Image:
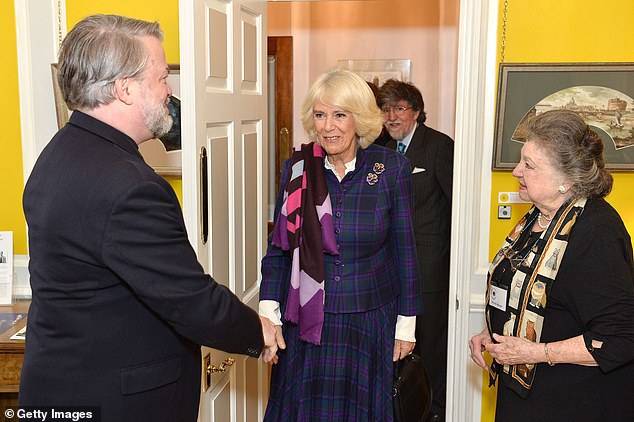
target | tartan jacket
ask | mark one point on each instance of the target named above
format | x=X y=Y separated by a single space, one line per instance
x=372 y=214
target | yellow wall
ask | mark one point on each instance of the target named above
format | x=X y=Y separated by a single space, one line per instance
x=163 y=11
x=12 y=185
x=566 y=31
x=563 y=31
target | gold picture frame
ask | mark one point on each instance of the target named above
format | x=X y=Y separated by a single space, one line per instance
x=61 y=110
x=601 y=93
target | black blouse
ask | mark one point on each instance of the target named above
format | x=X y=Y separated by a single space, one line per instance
x=593 y=296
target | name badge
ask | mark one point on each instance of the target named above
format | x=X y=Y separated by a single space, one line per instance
x=497 y=298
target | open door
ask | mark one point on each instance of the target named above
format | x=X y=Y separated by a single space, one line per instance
x=224 y=110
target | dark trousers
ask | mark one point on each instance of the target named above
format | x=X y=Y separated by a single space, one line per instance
x=431 y=344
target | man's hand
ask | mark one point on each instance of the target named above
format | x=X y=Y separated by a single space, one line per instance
x=269 y=331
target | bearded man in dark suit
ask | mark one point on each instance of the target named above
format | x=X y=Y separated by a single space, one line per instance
x=120 y=303
x=431 y=158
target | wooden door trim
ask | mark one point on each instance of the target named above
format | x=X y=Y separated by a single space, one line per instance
x=282 y=49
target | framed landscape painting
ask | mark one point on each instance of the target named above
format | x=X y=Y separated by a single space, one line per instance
x=601 y=93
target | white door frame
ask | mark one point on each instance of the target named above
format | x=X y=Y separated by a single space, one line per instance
x=38 y=25
x=475 y=105
x=37 y=34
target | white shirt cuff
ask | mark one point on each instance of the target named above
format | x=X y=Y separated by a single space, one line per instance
x=405 y=328
x=271 y=310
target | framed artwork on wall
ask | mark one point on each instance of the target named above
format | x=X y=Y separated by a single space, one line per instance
x=163 y=154
x=601 y=93
x=378 y=71
x=62 y=112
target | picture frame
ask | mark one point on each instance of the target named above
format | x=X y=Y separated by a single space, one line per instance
x=378 y=71
x=602 y=93
x=61 y=110
x=164 y=154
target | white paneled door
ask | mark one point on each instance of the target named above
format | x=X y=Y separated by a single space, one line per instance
x=223 y=106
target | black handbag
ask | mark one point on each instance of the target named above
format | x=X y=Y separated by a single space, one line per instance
x=411 y=392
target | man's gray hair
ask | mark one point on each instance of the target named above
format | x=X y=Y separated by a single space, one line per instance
x=96 y=52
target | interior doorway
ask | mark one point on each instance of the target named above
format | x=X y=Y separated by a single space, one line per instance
x=280 y=68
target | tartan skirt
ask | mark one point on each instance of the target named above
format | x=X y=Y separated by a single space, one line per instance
x=348 y=377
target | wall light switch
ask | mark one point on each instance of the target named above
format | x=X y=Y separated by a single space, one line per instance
x=510 y=198
x=504 y=212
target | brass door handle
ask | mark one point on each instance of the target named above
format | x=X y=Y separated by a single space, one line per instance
x=204 y=196
x=285 y=147
x=213 y=369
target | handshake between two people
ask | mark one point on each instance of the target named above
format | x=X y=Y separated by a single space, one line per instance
x=273 y=340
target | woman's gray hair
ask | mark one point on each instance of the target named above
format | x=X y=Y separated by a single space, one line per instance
x=345 y=89
x=96 y=52
x=575 y=150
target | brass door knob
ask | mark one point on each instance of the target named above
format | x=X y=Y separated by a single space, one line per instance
x=213 y=369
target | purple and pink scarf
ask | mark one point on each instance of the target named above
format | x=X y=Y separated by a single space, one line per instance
x=305 y=228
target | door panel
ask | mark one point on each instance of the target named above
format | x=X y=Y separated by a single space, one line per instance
x=216 y=405
x=249 y=51
x=251 y=261
x=224 y=110
x=219 y=45
x=219 y=204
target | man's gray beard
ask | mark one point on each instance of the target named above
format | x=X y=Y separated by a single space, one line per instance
x=394 y=134
x=158 y=120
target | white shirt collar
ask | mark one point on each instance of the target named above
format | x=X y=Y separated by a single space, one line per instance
x=349 y=167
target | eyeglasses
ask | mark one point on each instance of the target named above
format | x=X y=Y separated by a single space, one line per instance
x=399 y=110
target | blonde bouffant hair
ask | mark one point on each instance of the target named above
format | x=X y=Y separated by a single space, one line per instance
x=348 y=91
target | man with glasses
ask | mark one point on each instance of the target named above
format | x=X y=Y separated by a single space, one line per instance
x=431 y=158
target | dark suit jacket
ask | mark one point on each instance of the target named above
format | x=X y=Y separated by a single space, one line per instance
x=431 y=158
x=120 y=302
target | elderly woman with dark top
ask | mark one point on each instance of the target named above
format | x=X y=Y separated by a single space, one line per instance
x=340 y=277
x=560 y=292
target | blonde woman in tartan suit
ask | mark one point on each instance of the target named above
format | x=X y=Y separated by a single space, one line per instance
x=337 y=360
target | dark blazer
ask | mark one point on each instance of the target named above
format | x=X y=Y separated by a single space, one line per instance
x=431 y=159
x=120 y=302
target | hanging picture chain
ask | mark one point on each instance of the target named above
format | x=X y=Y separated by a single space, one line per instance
x=504 y=20
x=59 y=24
